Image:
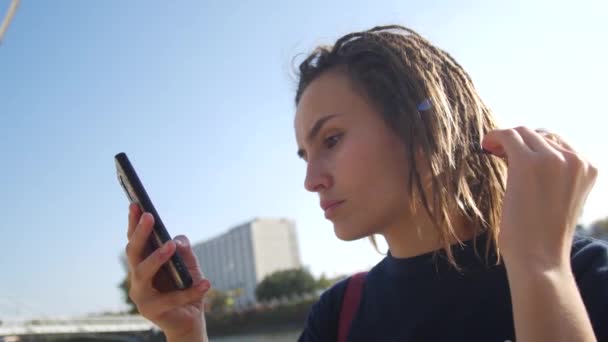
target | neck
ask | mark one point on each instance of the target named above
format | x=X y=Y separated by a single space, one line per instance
x=415 y=236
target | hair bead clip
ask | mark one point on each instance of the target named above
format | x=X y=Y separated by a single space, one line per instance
x=424 y=105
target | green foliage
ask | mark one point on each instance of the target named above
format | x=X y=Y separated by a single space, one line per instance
x=286 y=283
x=291 y=315
x=324 y=283
x=124 y=286
x=219 y=301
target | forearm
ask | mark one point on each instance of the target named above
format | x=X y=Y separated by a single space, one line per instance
x=547 y=305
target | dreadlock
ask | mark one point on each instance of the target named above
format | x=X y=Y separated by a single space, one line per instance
x=430 y=102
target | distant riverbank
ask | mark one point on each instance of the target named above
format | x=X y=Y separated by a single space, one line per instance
x=285 y=318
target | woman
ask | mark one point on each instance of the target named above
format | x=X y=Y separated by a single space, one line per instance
x=479 y=221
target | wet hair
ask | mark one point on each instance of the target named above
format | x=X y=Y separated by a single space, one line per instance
x=430 y=102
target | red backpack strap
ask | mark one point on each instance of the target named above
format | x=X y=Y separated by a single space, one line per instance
x=350 y=304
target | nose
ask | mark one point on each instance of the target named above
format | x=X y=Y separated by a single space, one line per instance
x=317 y=177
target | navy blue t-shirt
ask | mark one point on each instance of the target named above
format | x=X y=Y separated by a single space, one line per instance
x=423 y=299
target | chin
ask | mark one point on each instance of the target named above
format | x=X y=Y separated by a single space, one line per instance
x=346 y=232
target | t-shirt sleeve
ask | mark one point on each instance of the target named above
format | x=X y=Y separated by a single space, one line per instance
x=322 y=321
x=590 y=267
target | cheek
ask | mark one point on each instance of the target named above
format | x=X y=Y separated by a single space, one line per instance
x=389 y=184
x=372 y=172
x=352 y=165
x=373 y=180
x=384 y=174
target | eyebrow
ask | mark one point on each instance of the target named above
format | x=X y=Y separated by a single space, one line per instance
x=314 y=131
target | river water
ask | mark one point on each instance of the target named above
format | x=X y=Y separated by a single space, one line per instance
x=282 y=336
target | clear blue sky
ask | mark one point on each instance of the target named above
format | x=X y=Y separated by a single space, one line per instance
x=200 y=95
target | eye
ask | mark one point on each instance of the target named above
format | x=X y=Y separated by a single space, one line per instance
x=332 y=140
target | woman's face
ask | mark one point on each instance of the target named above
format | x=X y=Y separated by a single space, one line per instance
x=354 y=161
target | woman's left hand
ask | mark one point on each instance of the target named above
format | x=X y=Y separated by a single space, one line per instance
x=547 y=185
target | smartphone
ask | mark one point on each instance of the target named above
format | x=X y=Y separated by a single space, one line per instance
x=136 y=193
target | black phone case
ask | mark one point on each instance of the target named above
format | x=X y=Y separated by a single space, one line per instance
x=134 y=188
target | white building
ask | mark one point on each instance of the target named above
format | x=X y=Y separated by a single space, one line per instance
x=243 y=256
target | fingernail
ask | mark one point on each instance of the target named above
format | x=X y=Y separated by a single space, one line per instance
x=148 y=215
x=203 y=285
x=165 y=248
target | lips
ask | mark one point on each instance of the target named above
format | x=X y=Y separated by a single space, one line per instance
x=329 y=204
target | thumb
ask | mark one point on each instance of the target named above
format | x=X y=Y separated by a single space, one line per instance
x=504 y=143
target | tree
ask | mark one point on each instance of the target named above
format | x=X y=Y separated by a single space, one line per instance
x=217 y=301
x=324 y=283
x=286 y=283
x=124 y=286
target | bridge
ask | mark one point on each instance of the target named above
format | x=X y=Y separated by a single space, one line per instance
x=107 y=328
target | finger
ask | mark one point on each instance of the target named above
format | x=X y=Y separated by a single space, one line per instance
x=505 y=143
x=556 y=138
x=534 y=140
x=564 y=151
x=139 y=239
x=556 y=145
x=185 y=251
x=134 y=215
x=145 y=271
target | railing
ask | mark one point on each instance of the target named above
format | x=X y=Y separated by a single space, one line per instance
x=130 y=323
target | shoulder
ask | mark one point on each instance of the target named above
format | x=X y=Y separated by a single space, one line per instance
x=589 y=259
x=321 y=323
x=589 y=255
x=331 y=299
